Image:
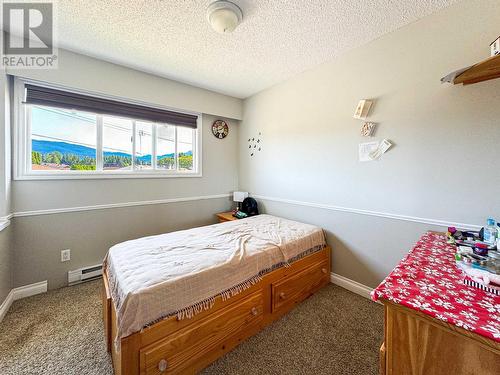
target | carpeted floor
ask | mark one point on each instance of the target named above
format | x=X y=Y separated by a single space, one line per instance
x=333 y=332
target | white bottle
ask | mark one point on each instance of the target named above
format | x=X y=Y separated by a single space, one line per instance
x=490 y=232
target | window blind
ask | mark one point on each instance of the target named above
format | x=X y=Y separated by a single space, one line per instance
x=69 y=100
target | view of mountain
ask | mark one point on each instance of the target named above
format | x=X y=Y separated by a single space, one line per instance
x=45 y=147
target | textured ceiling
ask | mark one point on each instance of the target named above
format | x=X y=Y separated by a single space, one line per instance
x=276 y=40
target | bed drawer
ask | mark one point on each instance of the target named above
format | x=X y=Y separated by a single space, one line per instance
x=170 y=355
x=297 y=287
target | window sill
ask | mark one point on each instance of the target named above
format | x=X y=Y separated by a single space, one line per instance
x=103 y=176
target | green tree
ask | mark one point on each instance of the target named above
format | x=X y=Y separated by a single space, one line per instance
x=54 y=157
x=36 y=157
x=80 y=167
x=167 y=162
x=185 y=161
x=117 y=161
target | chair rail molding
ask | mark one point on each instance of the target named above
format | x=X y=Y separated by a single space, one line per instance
x=387 y=215
x=52 y=211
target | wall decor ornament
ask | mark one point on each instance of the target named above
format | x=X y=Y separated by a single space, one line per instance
x=255 y=144
x=220 y=129
x=367 y=129
x=362 y=109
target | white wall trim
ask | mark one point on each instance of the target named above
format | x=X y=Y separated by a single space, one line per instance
x=22 y=292
x=5 y=221
x=4 y=224
x=5 y=306
x=351 y=285
x=116 y=205
x=387 y=215
x=30 y=290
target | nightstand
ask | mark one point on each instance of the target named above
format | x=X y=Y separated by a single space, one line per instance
x=226 y=216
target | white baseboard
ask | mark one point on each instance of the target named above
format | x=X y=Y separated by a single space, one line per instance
x=30 y=290
x=21 y=292
x=5 y=306
x=351 y=285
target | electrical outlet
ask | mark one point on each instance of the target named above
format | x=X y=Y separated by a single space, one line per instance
x=65 y=255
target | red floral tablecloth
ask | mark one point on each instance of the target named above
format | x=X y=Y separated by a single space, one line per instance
x=428 y=280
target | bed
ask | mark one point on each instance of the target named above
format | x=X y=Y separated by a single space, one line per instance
x=175 y=302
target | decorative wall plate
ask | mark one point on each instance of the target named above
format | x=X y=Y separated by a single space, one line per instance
x=220 y=129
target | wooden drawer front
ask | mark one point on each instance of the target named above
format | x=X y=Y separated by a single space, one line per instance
x=295 y=288
x=173 y=353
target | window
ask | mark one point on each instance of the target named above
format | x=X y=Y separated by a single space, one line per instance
x=62 y=140
x=165 y=147
x=54 y=141
x=117 y=143
x=143 y=145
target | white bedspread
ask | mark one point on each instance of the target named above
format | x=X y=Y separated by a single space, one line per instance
x=182 y=272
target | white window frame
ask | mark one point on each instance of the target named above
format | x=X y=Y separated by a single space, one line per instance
x=22 y=144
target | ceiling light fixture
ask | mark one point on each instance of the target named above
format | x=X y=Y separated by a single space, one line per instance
x=224 y=16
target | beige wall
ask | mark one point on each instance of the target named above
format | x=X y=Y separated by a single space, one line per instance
x=444 y=165
x=6 y=251
x=5 y=150
x=219 y=160
x=6 y=263
x=86 y=73
x=37 y=239
x=309 y=154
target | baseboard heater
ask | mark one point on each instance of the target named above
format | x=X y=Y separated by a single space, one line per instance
x=84 y=274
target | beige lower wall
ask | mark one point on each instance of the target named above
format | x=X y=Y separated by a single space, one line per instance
x=5 y=263
x=364 y=248
x=38 y=240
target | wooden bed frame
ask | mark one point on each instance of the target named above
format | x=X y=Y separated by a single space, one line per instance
x=174 y=346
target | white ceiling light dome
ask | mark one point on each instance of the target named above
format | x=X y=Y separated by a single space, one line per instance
x=224 y=16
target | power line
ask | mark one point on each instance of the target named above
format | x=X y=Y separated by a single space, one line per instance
x=105 y=124
x=82 y=144
x=65 y=140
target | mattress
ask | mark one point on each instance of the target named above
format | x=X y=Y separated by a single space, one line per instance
x=181 y=273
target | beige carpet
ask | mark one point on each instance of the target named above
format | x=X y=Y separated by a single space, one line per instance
x=333 y=332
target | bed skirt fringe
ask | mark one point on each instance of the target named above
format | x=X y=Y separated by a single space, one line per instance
x=189 y=312
x=207 y=304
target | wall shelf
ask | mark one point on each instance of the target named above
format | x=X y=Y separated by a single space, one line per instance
x=483 y=71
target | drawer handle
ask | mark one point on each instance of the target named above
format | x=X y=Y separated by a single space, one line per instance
x=254 y=311
x=163 y=365
x=282 y=295
x=324 y=270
